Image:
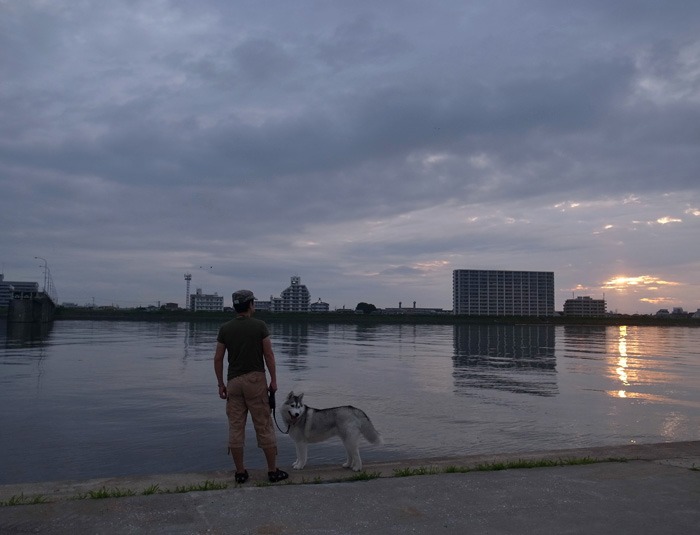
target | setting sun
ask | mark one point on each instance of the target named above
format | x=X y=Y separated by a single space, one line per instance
x=622 y=282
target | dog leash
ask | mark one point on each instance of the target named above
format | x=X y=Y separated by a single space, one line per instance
x=274 y=416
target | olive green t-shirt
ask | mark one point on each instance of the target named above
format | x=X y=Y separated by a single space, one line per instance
x=243 y=338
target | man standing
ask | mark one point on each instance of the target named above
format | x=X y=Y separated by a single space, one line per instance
x=247 y=342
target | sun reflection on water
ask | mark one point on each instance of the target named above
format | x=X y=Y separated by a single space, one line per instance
x=621 y=369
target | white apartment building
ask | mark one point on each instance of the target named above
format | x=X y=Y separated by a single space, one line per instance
x=478 y=292
x=295 y=298
x=201 y=302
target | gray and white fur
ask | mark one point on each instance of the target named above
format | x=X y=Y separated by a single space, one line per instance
x=308 y=425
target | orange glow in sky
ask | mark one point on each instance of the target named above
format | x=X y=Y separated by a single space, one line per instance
x=648 y=282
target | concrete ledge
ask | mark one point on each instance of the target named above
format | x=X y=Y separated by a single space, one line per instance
x=680 y=454
x=656 y=491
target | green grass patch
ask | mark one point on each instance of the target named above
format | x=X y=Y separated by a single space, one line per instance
x=495 y=466
x=207 y=485
x=420 y=471
x=21 y=499
x=537 y=463
x=456 y=470
x=364 y=476
x=152 y=489
x=104 y=493
x=315 y=481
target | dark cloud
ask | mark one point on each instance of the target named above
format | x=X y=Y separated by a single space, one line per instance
x=358 y=145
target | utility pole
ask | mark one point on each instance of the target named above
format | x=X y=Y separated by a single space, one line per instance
x=188 y=279
x=46 y=267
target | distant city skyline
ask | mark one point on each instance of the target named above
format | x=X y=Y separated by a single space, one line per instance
x=371 y=148
x=405 y=303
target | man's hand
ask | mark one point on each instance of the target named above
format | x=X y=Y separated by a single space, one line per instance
x=223 y=394
x=273 y=387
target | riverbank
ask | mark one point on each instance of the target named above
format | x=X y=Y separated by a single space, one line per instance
x=633 y=489
x=90 y=314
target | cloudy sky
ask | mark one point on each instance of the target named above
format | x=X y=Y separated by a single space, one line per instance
x=369 y=147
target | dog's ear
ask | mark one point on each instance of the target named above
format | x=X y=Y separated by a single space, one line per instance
x=291 y=395
x=301 y=397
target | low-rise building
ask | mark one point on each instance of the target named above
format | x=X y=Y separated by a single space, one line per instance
x=319 y=306
x=412 y=310
x=263 y=306
x=7 y=287
x=201 y=302
x=584 y=306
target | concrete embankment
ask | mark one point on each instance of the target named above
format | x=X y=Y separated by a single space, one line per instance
x=652 y=488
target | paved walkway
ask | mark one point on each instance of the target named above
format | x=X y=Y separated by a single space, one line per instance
x=657 y=490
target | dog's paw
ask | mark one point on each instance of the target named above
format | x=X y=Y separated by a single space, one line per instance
x=357 y=467
x=297 y=465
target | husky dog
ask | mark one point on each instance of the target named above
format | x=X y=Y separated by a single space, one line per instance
x=308 y=425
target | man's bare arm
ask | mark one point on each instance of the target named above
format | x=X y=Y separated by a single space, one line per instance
x=269 y=356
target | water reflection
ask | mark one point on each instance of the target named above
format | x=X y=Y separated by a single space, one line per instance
x=198 y=333
x=585 y=341
x=621 y=369
x=513 y=358
x=291 y=343
x=367 y=333
x=627 y=369
x=26 y=347
x=26 y=334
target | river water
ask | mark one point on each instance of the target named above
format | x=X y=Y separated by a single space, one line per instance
x=85 y=399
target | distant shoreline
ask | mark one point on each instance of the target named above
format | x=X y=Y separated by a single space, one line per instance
x=369 y=319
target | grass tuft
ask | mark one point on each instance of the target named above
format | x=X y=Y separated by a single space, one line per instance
x=495 y=466
x=207 y=485
x=364 y=476
x=420 y=471
x=21 y=499
x=456 y=470
x=104 y=493
x=315 y=481
x=152 y=489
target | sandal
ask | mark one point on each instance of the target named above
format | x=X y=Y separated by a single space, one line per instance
x=277 y=475
x=242 y=477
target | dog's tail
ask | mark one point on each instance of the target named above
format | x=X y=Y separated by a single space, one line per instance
x=369 y=432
